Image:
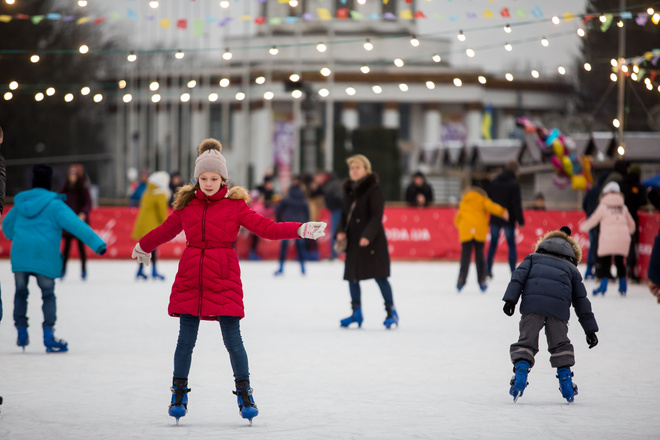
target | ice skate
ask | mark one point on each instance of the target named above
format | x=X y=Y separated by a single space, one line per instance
x=392 y=317
x=140 y=274
x=602 y=288
x=155 y=275
x=179 y=406
x=568 y=389
x=623 y=286
x=246 y=406
x=23 y=338
x=519 y=380
x=589 y=273
x=355 y=317
x=53 y=344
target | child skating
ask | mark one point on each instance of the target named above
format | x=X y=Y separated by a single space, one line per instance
x=208 y=284
x=549 y=283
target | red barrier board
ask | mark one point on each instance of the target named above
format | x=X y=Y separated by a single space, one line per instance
x=412 y=233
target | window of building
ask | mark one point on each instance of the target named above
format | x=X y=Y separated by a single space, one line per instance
x=370 y=114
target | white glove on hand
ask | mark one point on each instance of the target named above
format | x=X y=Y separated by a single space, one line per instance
x=142 y=256
x=312 y=230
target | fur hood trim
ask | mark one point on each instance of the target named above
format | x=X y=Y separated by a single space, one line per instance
x=577 y=251
x=364 y=185
x=239 y=193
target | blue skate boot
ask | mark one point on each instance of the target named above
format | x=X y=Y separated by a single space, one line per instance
x=355 y=317
x=519 y=381
x=179 y=405
x=246 y=406
x=589 y=273
x=140 y=273
x=53 y=344
x=392 y=316
x=602 y=288
x=23 y=338
x=623 y=286
x=156 y=275
x=568 y=389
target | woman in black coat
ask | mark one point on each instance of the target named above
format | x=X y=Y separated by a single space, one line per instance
x=367 y=254
x=79 y=199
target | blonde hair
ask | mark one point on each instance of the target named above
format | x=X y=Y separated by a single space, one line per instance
x=362 y=159
x=187 y=192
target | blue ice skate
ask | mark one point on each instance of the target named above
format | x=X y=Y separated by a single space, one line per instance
x=140 y=273
x=246 y=406
x=602 y=288
x=392 y=320
x=589 y=273
x=623 y=286
x=179 y=405
x=355 y=317
x=568 y=389
x=53 y=344
x=23 y=338
x=519 y=381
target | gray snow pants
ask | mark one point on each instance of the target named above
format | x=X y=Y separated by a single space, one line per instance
x=556 y=331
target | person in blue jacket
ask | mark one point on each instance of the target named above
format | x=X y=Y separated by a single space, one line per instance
x=549 y=282
x=293 y=208
x=35 y=227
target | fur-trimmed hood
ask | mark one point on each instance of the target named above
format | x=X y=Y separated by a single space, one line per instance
x=363 y=185
x=561 y=245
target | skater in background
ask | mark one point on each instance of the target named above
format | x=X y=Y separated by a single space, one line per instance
x=35 y=227
x=616 y=227
x=175 y=183
x=79 y=200
x=140 y=188
x=419 y=192
x=589 y=205
x=361 y=224
x=333 y=197
x=3 y=182
x=653 y=272
x=293 y=208
x=208 y=284
x=549 y=283
x=505 y=190
x=634 y=196
x=154 y=208
x=268 y=199
x=472 y=223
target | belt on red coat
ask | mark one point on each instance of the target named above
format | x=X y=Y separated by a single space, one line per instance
x=210 y=244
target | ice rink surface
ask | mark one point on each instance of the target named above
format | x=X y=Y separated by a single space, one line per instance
x=443 y=374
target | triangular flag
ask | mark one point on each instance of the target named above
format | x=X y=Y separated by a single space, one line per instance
x=224 y=22
x=198 y=27
x=21 y=17
x=115 y=15
x=165 y=23
x=471 y=15
x=5 y=18
x=454 y=17
x=374 y=16
x=342 y=13
x=307 y=16
x=419 y=14
x=504 y=12
x=182 y=23
x=82 y=20
x=626 y=15
x=132 y=15
x=275 y=20
x=520 y=13
x=389 y=16
x=53 y=16
x=324 y=14
x=488 y=14
x=291 y=19
x=245 y=18
x=537 y=12
x=568 y=16
x=642 y=18
x=99 y=20
x=608 y=22
x=260 y=20
x=406 y=14
x=36 y=19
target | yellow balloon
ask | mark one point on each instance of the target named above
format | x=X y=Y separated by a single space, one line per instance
x=558 y=148
x=567 y=165
x=579 y=183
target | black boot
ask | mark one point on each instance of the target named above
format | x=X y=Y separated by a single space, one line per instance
x=246 y=406
x=179 y=405
x=392 y=317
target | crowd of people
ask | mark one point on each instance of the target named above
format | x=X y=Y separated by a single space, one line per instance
x=212 y=212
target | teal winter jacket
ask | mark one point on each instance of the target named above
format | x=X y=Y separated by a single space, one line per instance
x=35 y=225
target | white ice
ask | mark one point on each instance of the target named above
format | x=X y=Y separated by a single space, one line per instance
x=443 y=374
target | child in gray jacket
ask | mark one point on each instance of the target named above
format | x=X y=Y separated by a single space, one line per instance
x=549 y=283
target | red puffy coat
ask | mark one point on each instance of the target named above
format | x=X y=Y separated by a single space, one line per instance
x=208 y=282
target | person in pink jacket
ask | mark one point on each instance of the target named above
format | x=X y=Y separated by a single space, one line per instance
x=208 y=283
x=616 y=228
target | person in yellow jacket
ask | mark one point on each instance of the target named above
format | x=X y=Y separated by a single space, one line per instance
x=472 y=223
x=153 y=211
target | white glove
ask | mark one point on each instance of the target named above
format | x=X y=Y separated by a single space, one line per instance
x=142 y=256
x=312 y=230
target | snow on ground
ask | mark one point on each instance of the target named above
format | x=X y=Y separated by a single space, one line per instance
x=443 y=374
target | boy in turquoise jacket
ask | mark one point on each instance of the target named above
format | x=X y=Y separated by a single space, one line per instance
x=35 y=227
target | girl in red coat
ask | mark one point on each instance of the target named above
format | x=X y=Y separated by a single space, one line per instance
x=208 y=284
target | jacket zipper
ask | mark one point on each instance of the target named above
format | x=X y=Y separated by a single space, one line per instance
x=201 y=259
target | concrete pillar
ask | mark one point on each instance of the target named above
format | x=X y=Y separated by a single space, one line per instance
x=261 y=149
x=163 y=137
x=473 y=124
x=236 y=156
x=391 y=115
x=432 y=126
x=200 y=125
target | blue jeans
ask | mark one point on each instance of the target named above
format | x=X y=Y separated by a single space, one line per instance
x=509 y=233
x=47 y=286
x=385 y=290
x=300 y=249
x=231 y=334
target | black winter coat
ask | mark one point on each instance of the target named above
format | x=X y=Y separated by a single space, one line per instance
x=294 y=207
x=505 y=190
x=413 y=190
x=549 y=284
x=372 y=261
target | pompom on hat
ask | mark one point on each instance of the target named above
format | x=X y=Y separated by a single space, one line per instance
x=210 y=159
x=611 y=187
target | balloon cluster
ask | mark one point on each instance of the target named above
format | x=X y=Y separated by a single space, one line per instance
x=569 y=167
